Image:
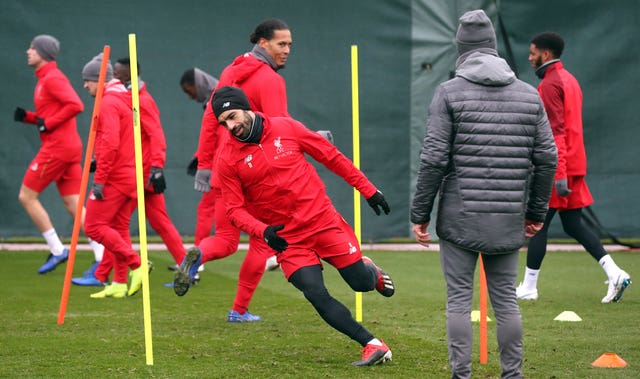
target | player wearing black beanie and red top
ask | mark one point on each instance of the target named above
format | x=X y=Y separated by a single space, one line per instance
x=272 y=192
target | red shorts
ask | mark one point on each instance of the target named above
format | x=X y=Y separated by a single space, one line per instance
x=579 y=197
x=45 y=168
x=336 y=244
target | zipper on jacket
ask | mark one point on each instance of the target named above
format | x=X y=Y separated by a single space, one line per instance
x=275 y=177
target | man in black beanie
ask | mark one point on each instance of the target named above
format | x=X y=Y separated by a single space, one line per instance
x=256 y=73
x=58 y=160
x=488 y=149
x=271 y=191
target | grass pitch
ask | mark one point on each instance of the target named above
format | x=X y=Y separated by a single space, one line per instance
x=192 y=339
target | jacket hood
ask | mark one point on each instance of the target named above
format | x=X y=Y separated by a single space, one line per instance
x=115 y=86
x=205 y=83
x=485 y=68
x=243 y=67
x=141 y=85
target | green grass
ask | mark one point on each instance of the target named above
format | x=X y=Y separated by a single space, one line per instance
x=191 y=338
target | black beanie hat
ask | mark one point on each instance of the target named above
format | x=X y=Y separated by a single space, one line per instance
x=228 y=97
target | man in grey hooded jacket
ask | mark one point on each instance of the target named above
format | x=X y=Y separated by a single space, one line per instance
x=490 y=152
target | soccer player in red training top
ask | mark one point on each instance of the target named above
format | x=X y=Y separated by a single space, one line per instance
x=199 y=85
x=153 y=157
x=562 y=98
x=58 y=160
x=272 y=192
x=256 y=73
x=113 y=194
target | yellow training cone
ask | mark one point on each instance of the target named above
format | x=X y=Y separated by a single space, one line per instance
x=568 y=316
x=475 y=316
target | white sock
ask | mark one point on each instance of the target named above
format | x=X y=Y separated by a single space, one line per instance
x=98 y=249
x=609 y=266
x=55 y=245
x=530 y=278
x=375 y=341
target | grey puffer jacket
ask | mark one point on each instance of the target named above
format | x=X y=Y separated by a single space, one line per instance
x=489 y=151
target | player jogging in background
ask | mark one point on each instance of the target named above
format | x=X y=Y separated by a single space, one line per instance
x=199 y=85
x=58 y=160
x=562 y=98
x=153 y=158
x=113 y=196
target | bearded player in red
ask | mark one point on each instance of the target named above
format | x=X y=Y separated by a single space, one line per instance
x=273 y=193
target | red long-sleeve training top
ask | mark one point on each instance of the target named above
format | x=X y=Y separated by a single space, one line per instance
x=272 y=183
x=58 y=104
x=265 y=89
x=114 y=150
x=562 y=98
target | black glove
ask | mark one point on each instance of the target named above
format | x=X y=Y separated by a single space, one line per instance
x=40 y=124
x=192 y=167
x=562 y=188
x=19 y=114
x=272 y=239
x=93 y=165
x=97 y=191
x=378 y=200
x=156 y=178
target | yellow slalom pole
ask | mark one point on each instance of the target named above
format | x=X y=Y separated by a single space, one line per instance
x=356 y=159
x=142 y=221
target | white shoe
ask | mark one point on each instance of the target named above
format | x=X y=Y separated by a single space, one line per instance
x=617 y=285
x=201 y=268
x=271 y=264
x=525 y=293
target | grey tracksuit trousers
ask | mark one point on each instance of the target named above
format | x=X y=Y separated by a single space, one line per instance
x=458 y=266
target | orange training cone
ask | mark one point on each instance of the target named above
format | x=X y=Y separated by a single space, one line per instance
x=609 y=360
